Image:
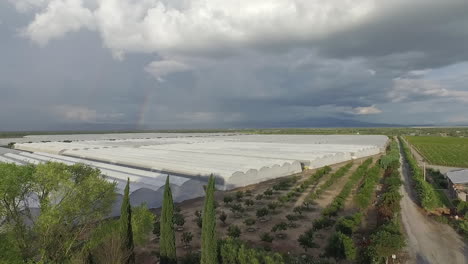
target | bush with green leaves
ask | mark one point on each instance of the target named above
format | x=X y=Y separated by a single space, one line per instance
x=341 y=246
x=282 y=226
x=322 y=222
x=266 y=237
x=306 y=240
x=228 y=199
x=349 y=224
x=262 y=212
x=234 y=231
x=234 y=251
x=249 y=221
x=363 y=197
x=239 y=195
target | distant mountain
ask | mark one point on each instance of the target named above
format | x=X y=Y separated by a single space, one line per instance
x=325 y=122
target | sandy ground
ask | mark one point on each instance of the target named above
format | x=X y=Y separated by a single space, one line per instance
x=428 y=241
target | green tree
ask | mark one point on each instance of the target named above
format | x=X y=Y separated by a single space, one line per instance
x=142 y=224
x=209 y=240
x=126 y=231
x=167 y=240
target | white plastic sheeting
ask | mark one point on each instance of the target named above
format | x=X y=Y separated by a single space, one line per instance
x=236 y=160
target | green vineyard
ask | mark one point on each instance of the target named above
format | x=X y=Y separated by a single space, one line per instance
x=445 y=151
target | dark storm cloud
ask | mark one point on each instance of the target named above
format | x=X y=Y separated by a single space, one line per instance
x=285 y=73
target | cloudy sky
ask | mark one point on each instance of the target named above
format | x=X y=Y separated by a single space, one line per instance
x=232 y=63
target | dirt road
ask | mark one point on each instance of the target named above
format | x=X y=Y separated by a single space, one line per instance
x=428 y=241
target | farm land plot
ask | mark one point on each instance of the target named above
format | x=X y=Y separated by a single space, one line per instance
x=445 y=151
x=285 y=241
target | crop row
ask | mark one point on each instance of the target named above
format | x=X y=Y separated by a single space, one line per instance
x=364 y=195
x=426 y=194
x=446 y=151
x=339 y=201
x=333 y=178
x=314 y=178
x=387 y=238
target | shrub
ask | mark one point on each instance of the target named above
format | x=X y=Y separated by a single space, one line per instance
x=341 y=246
x=234 y=231
x=266 y=237
x=279 y=227
x=223 y=217
x=322 y=222
x=227 y=199
x=306 y=240
x=348 y=225
x=239 y=195
x=262 y=212
x=249 y=221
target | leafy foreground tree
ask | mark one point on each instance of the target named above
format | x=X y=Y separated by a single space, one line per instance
x=167 y=241
x=209 y=241
x=126 y=232
x=71 y=199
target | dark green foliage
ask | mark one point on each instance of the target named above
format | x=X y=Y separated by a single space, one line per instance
x=427 y=196
x=234 y=231
x=249 y=221
x=179 y=219
x=191 y=258
x=126 y=233
x=262 y=212
x=167 y=241
x=364 y=196
x=322 y=222
x=236 y=208
x=259 y=197
x=227 y=199
x=348 y=224
x=268 y=192
x=266 y=237
x=249 y=202
x=341 y=246
x=387 y=240
x=282 y=226
x=157 y=228
x=235 y=252
x=209 y=240
x=306 y=240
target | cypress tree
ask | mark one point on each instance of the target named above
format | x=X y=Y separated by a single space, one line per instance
x=126 y=233
x=209 y=241
x=167 y=238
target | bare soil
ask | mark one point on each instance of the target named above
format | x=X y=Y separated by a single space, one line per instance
x=288 y=244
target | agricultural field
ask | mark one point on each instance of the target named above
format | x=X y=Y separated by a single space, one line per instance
x=445 y=151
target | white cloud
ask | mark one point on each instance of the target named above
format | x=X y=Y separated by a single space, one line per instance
x=408 y=89
x=366 y=110
x=161 y=68
x=174 y=26
x=24 y=6
x=58 y=18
